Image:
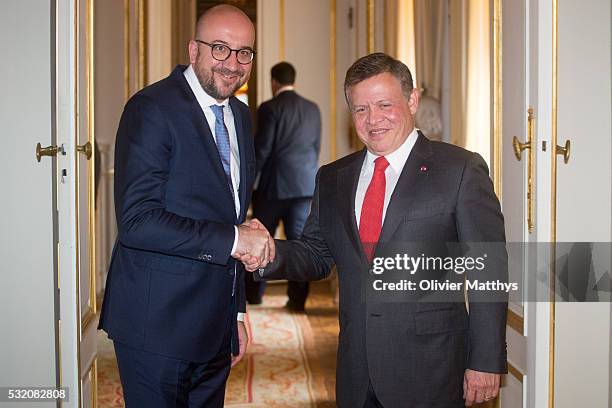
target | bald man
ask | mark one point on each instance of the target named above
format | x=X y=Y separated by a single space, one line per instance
x=184 y=168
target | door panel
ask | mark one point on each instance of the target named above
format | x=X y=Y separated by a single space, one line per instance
x=85 y=200
x=75 y=123
x=583 y=202
x=28 y=273
x=514 y=189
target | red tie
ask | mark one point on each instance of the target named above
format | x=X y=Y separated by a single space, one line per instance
x=370 y=222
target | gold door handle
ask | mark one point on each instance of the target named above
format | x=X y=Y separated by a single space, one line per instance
x=516 y=144
x=86 y=150
x=564 y=151
x=519 y=147
x=45 y=151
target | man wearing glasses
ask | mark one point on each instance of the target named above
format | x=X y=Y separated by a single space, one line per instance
x=184 y=169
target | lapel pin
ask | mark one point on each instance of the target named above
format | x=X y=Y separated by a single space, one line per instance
x=423 y=168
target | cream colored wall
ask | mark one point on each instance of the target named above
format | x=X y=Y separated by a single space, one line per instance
x=108 y=69
x=159 y=39
x=109 y=94
x=307 y=43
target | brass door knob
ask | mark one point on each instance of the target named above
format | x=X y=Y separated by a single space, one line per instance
x=564 y=151
x=45 y=151
x=86 y=150
x=519 y=147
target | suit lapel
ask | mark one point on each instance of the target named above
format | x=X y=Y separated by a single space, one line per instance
x=348 y=178
x=410 y=179
x=242 y=140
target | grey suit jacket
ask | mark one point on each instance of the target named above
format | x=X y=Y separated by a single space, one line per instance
x=413 y=353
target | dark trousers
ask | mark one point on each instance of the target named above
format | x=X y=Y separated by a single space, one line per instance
x=371 y=399
x=293 y=213
x=152 y=380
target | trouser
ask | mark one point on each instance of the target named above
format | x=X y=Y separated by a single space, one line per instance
x=293 y=213
x=152 y=380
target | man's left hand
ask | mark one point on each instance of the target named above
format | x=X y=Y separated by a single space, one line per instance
x=480 y=387
x=243 y=340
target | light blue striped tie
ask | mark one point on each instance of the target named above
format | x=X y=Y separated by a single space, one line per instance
x=223 y=143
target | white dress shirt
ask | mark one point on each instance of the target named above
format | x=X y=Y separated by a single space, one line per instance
x=205 y=101
x=396 y=160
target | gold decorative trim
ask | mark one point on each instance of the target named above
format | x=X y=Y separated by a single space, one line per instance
x=370 y=25
x=75 y=137
x=126 y=48
x=87 y=318
x=58 y=326
x=92 y=161
x=497 y=97
x=332 y=80
x=89 y=72
x=553 y=210
x=356 y=25
x=142 y=43
x=281 y=30
x=516 y=322
x=386 y=31
x=515 y=372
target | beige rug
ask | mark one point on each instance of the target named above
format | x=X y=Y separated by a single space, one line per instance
x=277 y=370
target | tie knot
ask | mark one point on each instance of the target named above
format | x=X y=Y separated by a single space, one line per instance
x=381 y=164
x=218 y=111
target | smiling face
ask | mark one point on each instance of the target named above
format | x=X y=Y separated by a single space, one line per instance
x=228 y=26
x=382 y=114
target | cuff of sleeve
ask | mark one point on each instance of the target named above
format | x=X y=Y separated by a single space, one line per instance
x=240 y=317
x=235 y=241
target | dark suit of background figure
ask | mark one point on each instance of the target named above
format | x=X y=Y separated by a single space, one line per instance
x=287 y=144
x=169 y=287
x=413 y=355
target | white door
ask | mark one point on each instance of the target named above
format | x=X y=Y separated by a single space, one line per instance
x=519 y=112
x=75 y=191
x=48 y=311
x=556 y=60
x=28 y=273
x=583 y=204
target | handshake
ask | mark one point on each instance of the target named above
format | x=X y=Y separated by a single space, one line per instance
x=255 y=248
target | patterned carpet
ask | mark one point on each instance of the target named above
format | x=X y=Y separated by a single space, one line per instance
x=288 y=364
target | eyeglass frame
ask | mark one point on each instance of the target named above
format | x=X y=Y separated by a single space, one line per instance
x=212 y=45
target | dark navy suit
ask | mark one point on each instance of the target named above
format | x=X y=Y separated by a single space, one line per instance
x=287 y=144
x=169 y=287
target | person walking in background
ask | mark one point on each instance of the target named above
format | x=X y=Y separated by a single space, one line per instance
x=287 y=144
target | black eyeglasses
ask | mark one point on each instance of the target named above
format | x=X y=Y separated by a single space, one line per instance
x=221 y=52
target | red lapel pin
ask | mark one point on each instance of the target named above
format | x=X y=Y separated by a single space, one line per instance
x=423 y=168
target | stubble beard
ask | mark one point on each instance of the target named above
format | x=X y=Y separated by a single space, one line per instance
x=207 y=81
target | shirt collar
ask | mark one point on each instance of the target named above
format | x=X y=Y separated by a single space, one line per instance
x=284 y=88
x=204 y=99
x=398 y=158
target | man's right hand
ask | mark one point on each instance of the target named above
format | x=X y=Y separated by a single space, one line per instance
x=255 y=246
